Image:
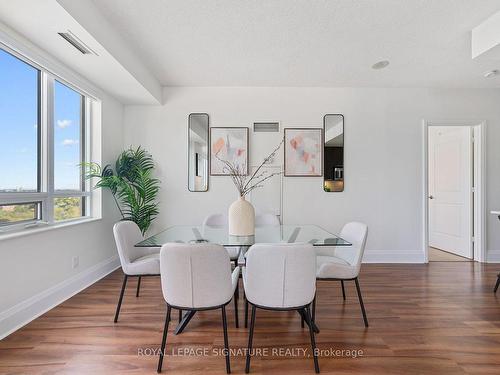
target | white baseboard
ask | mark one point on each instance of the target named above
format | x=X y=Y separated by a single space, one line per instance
x=24 y=312
x=493 y=256
x=405 y=256
x=393 y=256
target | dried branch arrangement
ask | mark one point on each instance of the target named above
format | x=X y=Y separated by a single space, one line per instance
x=243 y=183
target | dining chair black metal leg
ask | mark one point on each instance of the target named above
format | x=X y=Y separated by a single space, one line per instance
x=118 y=307
x=226 y=342
x=180 y=316
x=164 y=339
x=343 y=288
x=497 y=284
x=306 y=313
x=236 y=320
x=361 y=302
x=314 y=309
x=246 y=313
x=138 y=286
x=250 y=340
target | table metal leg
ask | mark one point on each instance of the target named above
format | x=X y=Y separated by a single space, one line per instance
x=241 y=257
x=314 y=326
x=184 y=322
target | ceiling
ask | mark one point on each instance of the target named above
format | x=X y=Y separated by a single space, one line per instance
x=144 y=45
x=114 y=69
x=305 y=43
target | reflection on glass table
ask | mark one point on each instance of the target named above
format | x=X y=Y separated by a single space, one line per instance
x=269 y=234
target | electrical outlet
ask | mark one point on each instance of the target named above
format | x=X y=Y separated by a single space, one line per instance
x=76 y=261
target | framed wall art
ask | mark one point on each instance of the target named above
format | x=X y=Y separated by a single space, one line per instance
x=303 y=152
x=229 y=144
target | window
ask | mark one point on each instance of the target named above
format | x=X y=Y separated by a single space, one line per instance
x=68 y=120
x=68 y=208
x=69 y=110
x=44 y=136
x=19 y=125
x=20 y=212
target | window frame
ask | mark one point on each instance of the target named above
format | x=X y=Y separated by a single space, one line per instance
x=38 y=214
x=46 y=193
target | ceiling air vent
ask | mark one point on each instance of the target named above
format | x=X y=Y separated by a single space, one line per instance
x=266 y=127
x=77 y=43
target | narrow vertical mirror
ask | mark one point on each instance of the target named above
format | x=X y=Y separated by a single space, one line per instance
x=333 y=127
x=198 y=152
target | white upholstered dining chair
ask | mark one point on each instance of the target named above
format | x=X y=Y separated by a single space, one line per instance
x=343 y=263
x=197 y=277
x=266 y=219
x=135 y=261
x=280 y=277
x=220 y=221
x=215 y=220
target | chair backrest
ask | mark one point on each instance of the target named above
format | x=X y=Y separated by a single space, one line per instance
x=266 y=219
x=355 y=233
x=195 y=275
x=280 y=275
x=127 y=234
x=215 y=220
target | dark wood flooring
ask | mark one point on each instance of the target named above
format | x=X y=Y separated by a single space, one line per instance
x=440 y=318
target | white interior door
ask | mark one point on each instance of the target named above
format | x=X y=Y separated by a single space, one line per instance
x=450 y=189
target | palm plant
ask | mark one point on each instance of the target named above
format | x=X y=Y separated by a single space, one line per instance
x=132 y=185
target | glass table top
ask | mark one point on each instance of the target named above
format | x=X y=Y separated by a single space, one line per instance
x=268 y=234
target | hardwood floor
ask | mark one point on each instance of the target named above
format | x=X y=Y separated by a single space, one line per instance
x=440 y=318
x=437 y=255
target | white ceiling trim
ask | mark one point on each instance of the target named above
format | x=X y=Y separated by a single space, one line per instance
x=86 y=14
x=20 y=45
x=121 y=75
x=486 y=38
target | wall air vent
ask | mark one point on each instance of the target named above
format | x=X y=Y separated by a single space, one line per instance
x=266 y=127
x=77 y=43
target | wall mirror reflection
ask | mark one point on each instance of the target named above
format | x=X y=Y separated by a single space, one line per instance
x=333 y=153
x=198 y=152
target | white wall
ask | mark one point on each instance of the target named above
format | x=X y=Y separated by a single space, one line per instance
x=34 y=263
x=36 y=269
x=383 y=155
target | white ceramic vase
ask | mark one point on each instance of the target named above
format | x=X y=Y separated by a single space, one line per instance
x=241 y=218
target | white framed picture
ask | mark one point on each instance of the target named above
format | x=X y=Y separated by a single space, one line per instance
x=231 y=145
x=303 y=152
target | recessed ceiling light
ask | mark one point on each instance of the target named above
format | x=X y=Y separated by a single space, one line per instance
x=380 y=65
x=491 y=73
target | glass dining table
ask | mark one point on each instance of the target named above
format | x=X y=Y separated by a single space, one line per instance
x=312 y=234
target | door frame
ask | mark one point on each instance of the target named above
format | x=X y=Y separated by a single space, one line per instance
x=478 y=201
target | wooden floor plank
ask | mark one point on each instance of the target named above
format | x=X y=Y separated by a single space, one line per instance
x=440 y=318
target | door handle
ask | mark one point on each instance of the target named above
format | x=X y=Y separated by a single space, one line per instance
x=431 y=196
